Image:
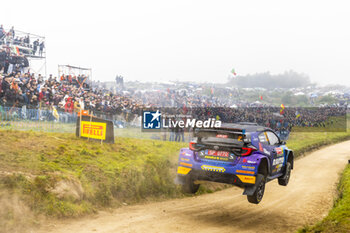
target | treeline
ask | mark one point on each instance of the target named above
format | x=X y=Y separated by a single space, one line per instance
x=288 y=79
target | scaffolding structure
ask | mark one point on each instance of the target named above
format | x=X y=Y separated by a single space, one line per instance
x=36 y=59
x=75 y=71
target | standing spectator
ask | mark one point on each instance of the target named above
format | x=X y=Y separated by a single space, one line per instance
x=41 y=48
x=2 y=34
x=35 y=46
x=27 y=41
x=3 y=56
x=12 y=32
x=0 y=86
x=76 y=105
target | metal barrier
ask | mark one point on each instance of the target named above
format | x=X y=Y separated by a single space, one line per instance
x=36 y=119
x=45 y=120
x=64 y=122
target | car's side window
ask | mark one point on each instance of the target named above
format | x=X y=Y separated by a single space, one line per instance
x=263 y=139
x=273 y=139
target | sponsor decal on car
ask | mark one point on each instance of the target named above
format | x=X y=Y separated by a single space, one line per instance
x=248 y=167
x=186 y=164
x=183 y=170
x=251 y=162
x=246 y=172
x=247 y=179
x=279 y=151
x=278 y=161
x=213 y=168
x=277 y=168
x=185 y=154
x=262 y=138
x=184 y=159
x=221 y=136
x=216 y=158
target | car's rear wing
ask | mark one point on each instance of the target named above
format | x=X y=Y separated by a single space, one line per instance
x=197 y=132
x=230 y=133
x=224 y=138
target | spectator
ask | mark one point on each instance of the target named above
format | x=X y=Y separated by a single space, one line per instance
x=35 y=46
x=41 y=48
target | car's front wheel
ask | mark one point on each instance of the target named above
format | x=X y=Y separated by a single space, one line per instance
x=189 y=186
x=259 y=191
x=285 y=178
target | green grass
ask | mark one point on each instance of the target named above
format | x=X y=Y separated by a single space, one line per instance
x=302 y=142
x=338 y=219
x=131 y=170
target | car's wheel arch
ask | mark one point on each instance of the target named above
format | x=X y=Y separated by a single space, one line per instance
x=290 y=158
x=264 y=167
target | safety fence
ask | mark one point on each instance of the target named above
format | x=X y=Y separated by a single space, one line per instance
x=53 y=120
x=36 y=119
x=47 y=120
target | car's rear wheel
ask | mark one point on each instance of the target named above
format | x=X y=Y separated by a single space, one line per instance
x=285 y=178
x=189 y=186
x=259 y=191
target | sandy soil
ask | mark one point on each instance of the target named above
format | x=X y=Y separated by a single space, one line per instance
x=306 y=199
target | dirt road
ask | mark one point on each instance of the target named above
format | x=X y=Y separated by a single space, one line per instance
x=306 y=199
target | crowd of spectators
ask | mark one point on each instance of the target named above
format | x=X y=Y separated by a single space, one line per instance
x=11 y=62
x=67 y=93
x=22 y=44
x=272 y=117
x=70 y=94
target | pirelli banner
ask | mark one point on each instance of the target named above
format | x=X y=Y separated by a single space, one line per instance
x=95 y=128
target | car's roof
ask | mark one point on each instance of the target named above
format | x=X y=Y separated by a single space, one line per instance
x=248 y=127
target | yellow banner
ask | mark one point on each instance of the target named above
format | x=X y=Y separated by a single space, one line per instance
x=96 y=130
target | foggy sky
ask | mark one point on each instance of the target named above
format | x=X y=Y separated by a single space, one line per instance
x=190 y=40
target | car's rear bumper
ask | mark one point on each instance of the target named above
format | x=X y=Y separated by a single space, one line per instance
x=240 y=172
x=214 y=176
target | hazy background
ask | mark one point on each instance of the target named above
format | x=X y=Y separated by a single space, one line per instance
x=190 y=40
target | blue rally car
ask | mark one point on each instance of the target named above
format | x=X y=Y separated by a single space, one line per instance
x=245 y=154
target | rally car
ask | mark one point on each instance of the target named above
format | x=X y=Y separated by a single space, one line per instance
x=245 y=154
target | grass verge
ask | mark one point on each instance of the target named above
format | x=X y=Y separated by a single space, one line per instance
x=338 y=219
x=302 y=142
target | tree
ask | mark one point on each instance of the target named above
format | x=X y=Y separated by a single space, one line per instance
x=289 y=79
